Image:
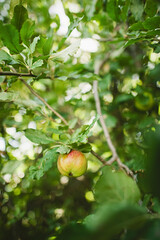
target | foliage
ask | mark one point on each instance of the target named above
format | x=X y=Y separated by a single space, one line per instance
x=52 y=48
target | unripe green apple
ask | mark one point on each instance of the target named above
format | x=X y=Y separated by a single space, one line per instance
x=72 y=164
x=144 y=102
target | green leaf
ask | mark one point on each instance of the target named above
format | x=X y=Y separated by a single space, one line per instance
x=54 y=130
x=116 y=186
x=71 y=27
x=2 y=78
x=85 y=148
x=153 y=33
x=137 y=9
x=27 y=31
x=43 y=164
x=125 y=8
x=63 y=149
x=73 y=231
x=151 y=7
x=49 y=158
x=80 y=135
x=111 y=219
x=10 y=167
x=65 y=54
x=136 y=26
x=35 y=173
x=4 y=56
x=90 y=7
x=123 y=98
x=112 y=9
x=33 y=44
x=13 y=4
x=47 y=47
x=86 y=128
x=10 y=36
x=152 y=23
x=37 y=136
x=20 y=16
x=72 y=123
x=36 y=64
x=132 y=41
x=8 y=96
x=156 y=204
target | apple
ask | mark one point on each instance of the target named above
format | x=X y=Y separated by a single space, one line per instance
x=72 y=164
x=144 y=102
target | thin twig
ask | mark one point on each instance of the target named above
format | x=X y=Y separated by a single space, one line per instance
x=115 y=156
x=99 y=157
x=45 y=103
x=17 y=74
x=98 y=107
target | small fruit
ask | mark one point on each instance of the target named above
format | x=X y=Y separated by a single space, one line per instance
x=72 y=164
x=144 y=102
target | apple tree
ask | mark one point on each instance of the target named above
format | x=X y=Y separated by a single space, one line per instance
x=79 y=119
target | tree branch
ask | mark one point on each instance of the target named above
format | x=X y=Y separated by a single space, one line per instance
x=17 y=74
x=45 y=103
x=115 y=156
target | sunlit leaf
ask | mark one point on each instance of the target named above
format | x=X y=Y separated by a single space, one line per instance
x=27 y=31
x=37 y=136
x=65 y=54
x=116 y=186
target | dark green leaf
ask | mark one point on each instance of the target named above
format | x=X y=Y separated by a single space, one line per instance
x=84 y=148
x=125 y=8
x=74 y=231
x=123 y=98
x=111 y=219
x=10 y=36
x=151 y=7
x=20 y=16
x=112 y=9
x=152 y=23
x=156 y=204
x=136 y=27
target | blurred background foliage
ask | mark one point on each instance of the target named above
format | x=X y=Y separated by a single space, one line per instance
x=43 y=38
